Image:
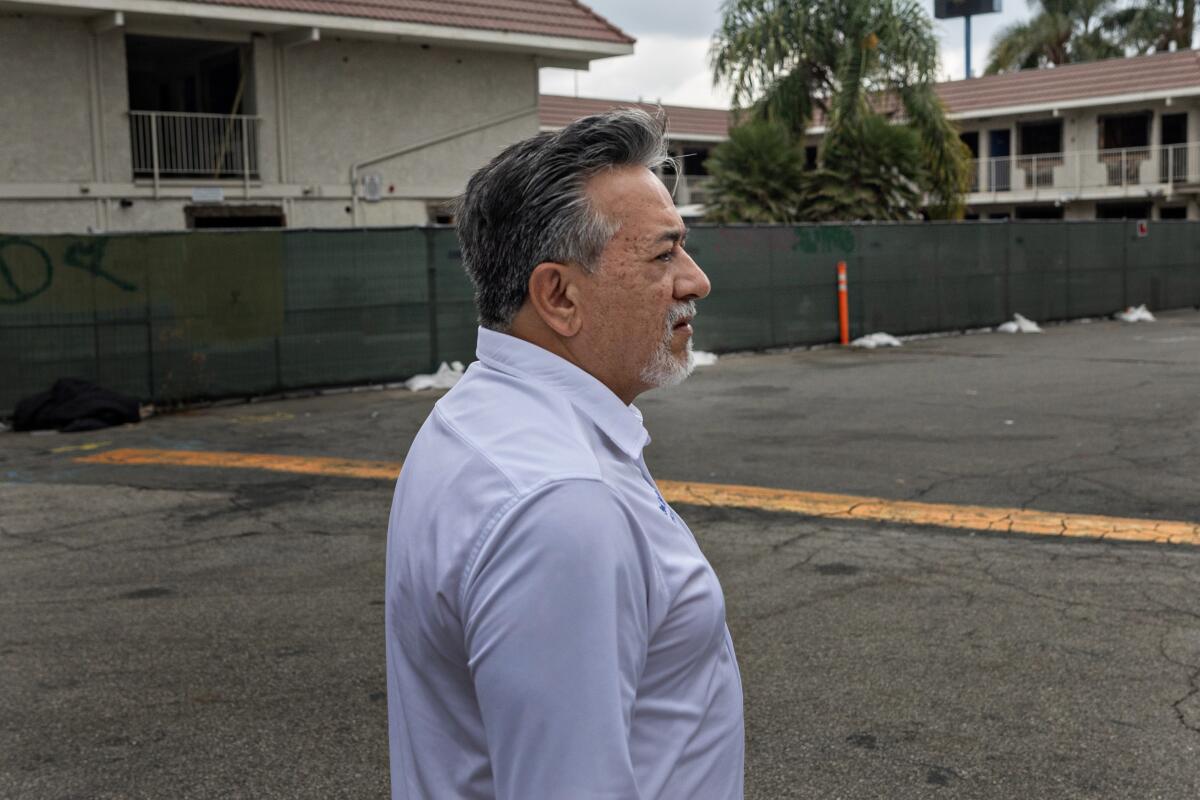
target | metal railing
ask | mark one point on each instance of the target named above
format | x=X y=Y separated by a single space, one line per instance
x=173 y=145
x=688 y=189
x=1161 y=166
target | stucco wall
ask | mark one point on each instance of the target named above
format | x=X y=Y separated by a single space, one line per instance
x=333 y=214
x=348 y=101
x=48 y=216
x=265 y=105
x=148 y=215
x=45 y=125
x=113 y=84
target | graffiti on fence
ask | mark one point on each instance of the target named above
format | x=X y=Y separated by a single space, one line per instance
x=85 y=255
x=824 y=239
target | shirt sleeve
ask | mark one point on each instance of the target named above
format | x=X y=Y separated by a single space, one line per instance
x=555 y=619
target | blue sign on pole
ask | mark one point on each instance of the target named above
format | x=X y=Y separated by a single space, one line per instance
x=949 y=9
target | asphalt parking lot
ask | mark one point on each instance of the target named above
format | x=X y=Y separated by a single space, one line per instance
x=206 y=627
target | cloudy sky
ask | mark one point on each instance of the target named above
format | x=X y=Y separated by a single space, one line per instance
x=670 y=60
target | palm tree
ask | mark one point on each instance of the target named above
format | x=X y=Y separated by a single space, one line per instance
x=788 y=60
x=1155 y=25
x=1061 y=32
x=760 y=174
x=757 y=174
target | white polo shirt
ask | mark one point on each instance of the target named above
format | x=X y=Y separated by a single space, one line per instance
x=553 y=630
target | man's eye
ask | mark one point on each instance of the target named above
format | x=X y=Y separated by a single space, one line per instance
x=667 y=256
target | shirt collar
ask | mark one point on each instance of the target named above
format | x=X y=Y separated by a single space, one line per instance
x=619 y=422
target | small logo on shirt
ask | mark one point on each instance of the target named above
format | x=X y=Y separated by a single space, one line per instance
x=664 y=508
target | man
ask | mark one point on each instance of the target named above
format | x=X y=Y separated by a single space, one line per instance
x=553 y=630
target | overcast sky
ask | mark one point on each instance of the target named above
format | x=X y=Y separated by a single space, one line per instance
x=670 y=60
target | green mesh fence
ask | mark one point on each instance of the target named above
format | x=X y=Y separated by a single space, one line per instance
x=184 y=316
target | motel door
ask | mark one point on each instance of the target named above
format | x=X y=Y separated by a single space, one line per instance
x=1000 y=158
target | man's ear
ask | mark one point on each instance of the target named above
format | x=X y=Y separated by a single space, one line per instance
x=554 y=294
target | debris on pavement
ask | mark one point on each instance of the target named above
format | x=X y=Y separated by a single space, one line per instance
x=446 y=376
x=703 y=359
x=73 y=405
x=1135 y=314
x=873 y=340
x=1019 y=324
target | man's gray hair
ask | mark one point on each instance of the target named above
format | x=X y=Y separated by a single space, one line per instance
x=530 y=205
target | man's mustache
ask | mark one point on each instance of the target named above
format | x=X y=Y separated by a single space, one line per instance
x=680 y=312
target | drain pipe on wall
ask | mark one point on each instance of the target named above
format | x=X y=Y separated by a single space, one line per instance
x=282 y=43
x=490 y=122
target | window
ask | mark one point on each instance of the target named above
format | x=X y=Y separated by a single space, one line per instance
x=1124 y=130
x=971 y=140
x=1173 y=161
x=440 y=213
x=1039 y=138
x=200 y=217
x=191 y=105
x=1039 y=212
x=694 y=160
x=190 y=76
x=1041 y=151
x=1123 y=210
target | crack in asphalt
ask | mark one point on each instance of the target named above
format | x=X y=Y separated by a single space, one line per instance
x=1179 y=705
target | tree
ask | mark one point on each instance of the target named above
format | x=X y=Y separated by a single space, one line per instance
x=878 y=174
x=759 y=175
x=1155 y=25
x=788 y=60
x=756 y=175
x=1060 y=32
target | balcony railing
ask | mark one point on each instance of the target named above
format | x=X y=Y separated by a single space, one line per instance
x=1164 y=166
x=171 y=145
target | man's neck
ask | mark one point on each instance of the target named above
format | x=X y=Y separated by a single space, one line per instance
x=529 y=327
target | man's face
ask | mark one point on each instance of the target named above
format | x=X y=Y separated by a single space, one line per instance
x=639 y=301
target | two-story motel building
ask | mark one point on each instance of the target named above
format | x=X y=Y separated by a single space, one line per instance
x=1115 y=138
x=150 y=115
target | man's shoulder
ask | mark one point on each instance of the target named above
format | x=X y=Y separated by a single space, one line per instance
x=524 y=430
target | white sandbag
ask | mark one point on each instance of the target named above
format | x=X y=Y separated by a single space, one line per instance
x=873 y=340
x=446 y=376
x=1019 y=324
x=1135 y=314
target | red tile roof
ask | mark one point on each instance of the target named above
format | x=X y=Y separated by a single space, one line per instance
x=563 y=18
x=1108 y=78
x=1160 y=72
x=682 y=121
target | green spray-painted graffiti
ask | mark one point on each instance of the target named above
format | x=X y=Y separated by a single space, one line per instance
x=825 y=239
x=84 y=255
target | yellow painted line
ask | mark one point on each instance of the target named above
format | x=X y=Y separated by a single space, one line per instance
x=89 y=446
x=303 y=465
x=812 y=504
x=942 y=515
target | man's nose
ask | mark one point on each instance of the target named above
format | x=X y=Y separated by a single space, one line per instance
x=692 y=284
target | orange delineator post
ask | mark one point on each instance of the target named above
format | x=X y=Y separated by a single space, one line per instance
x=843 y=304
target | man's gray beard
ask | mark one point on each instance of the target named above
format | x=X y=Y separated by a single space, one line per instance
x=664 y=369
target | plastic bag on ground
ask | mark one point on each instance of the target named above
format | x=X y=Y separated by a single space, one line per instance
x=1019 y=324
x=873 y=340
x=446 y=376
x=1135 y=314
x=74 y=405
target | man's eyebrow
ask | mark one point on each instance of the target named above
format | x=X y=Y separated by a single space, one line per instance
x=673 y=235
